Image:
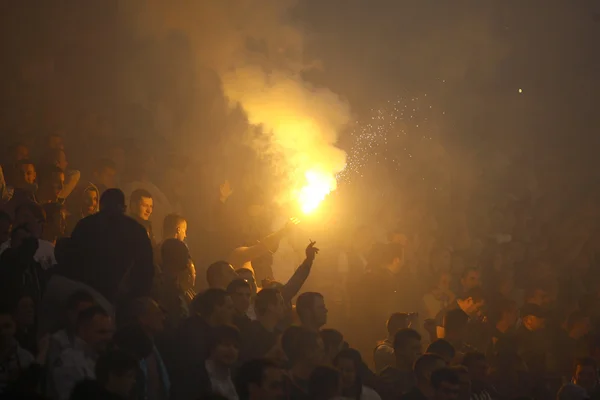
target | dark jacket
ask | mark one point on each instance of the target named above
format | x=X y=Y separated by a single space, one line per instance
x=113 y=254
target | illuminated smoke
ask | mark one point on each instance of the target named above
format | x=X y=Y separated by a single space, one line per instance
x=258 y=55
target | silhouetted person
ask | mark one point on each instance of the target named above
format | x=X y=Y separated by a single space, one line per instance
x=304 y=351
x=241 y=295
x=400 y=378
x=324 y=383
x=260 y=379
x=424 y=367
x=220 y=274
x=112 y=252
x=384 y=351
x=262 y=334
x=349 y=363
x=223 y=351
x=446 y=384
x=442 y=348
x=478 y=368
x=312 y=311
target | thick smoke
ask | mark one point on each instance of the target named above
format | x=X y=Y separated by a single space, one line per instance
x=258 y=54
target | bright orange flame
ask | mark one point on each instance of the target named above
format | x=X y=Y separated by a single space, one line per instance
x=318 y=186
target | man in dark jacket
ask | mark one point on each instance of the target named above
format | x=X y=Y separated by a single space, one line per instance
x=112 y=252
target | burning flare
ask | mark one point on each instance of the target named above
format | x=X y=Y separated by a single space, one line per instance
x=318 y=186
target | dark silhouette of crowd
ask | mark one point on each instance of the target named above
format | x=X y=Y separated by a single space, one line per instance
x=101 y=297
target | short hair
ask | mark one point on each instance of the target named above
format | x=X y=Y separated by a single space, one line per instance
x=112 y=199
x=114 y=362
x=174 y=254
x=86 y=316
x=442 y=348
x=324 y=382
x=475 y=293
x=455 y=320
x=396 y=322
x=214 y=270
x=471 y=357
x=136 y=196
x=332 y=339
x=134 y=339
x=171 y=222
x=237 y=284
x=206 y=302
x=402 y=337
x=265 y=298
x=424 y=363
x=104 y=163
x=77 y=298
x=444 y=375
x=46 y=172
x=252 y=373
x=299 y=343
x=223 y=334
x=575 y=318
x=306 y=301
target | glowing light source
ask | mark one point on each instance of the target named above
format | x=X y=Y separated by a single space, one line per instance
x=520 y=90
x=318 y=186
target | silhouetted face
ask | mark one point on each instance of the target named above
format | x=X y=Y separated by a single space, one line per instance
x=271 y=387
x=320 y=312
x=224 y=313
x=278 y=308
x=28 y=173
x=241 y=299
x=106 y=177
x=90 y=202
x=471 y=280
x=447 y=391
x=98 y=332
x=56 y=184
x=225 y=353
x=348 y=370
x=248 y=276
x=411 y=350
x=144 y=208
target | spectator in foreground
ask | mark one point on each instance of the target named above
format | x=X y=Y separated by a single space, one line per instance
x=324 y=384
x=446 y=384
x=400 y=378
x=260 y=379
x=425 y=366
x=223 y=352
x=312 y=311
x=140 y=209
x=349 y=363
x=384 y=351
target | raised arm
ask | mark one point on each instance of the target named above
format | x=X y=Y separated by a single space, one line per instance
x=294 y=284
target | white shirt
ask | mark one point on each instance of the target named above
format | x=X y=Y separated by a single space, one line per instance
x=72 y=366
x=44 y=254
x=222 y=385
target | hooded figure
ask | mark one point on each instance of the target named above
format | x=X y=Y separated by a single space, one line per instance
x=82 y=203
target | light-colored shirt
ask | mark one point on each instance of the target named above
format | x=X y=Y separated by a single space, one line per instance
x=72 y=366
x=221 y=384
x=384 y=356
x=367 y=394
x=44 y=254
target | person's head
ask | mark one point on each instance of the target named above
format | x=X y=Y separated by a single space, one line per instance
x=104 y=173
x=504 y=312
x=533 y=317
x=391 y=257
x=141 y=204
x=407 y=347
x=444 y=280
x=116 y=372
x=477 y=366
x=90 y=200
x=397 y=321
x=302 y=347
x=147 y=313
x=55 y=225
x=113 y=200
x=223 y=345
x=311 y=309
x=455 y=325
x=32 y=216
x=442 y=348
x=248 y=275
x=214 y=306
x=19 y=151
x=95 y=327
x=446 y=384
x=471 y=278
x=55 y=141
x=24 y=312
x=425 y=366
x=586 y=373
x=259 y=379
x=76 y=303
x=175 y=227
x=51 y=181
x=472 y=300
x=464 y=380
x=56 y=157
x=578 y=324
x=269 y=303
x=240 y=293
x=26 y=173
x=324 y=383
x=333 y=343
x=348 y=362
x=220 y=274
x=538 y=294
x=5 y=226
x=177 y=262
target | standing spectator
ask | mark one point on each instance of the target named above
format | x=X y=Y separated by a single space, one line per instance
x=141 y=205
x=478 y=368
x=81 y=204
x=262 y=334
x=241 y=295
x=58 y=158
x=349 y=363
x=400 y=378
x=259 y=379
x=333 y=343
x=174 y=227
x=304 y=351
x=312 y=311
x=440 y=297
x=51 y=180
x=223 y=351
x=470 y=279
x=442 y=348
x=446 y=384
x=384 y=351
x=424 y=367
x=112 y=253
x=220 y=274
x=56 y=224
x=94 y=330
x=469 y=303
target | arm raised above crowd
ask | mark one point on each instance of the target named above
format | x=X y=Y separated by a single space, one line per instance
x=295 y=283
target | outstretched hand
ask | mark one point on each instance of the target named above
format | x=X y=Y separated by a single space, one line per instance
x=311 y=251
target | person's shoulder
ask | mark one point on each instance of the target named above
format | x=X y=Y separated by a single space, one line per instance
x=369 y=394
